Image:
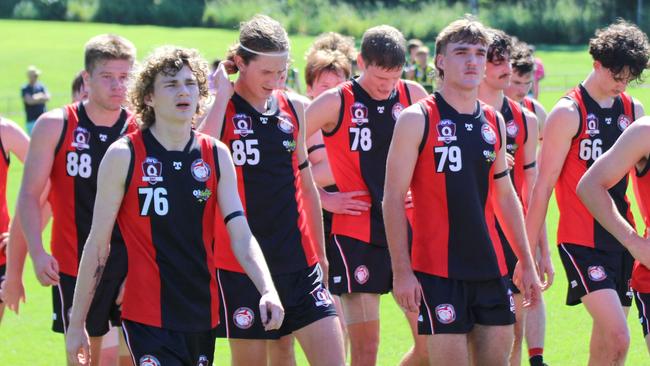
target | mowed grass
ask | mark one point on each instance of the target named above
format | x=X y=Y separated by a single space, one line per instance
x=56 y=48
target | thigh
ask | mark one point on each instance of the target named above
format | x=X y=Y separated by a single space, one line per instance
x=247 y=351
x=360 y=308
x=606 y=310
x=239 y=311
x=491 y=344
x=448 y=349
x=322 y=342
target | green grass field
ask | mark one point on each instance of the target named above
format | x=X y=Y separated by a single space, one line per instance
x=56 y=48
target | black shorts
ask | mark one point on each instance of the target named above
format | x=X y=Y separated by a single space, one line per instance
x=103 y=309
x=303 y=297
x=153 y=346
x=3 y=270
x=589 y=270
x=356 y=266
x=642 y=301
x=454 y=306
x=511 y=258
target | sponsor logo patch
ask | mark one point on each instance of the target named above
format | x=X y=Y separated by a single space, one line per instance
x=512 y=129
x=285 y=125
x=488 y=134
x=623 y=122
x=322 y=296
x=592 y=125
x=80 y=139
x=397 y=110
x=200 y=170
x=289 y=145
x=148 y=360
x=243 y=124
x=337 y=279
x=359 y=113
x=203 y=361
x=202 y=195
x=446 y=131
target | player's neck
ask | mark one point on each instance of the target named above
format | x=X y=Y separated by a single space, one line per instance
x=172 y=136
x=462 y=100
x=595 y=91
x=493 y=97
x=363 y=82
x=256 y=102
x=99 y=115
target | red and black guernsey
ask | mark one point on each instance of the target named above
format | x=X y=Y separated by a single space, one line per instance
x=357 y=149
x=528 y=103
x=454 y=232
x=167 y=219
x=263 y=147
x=641 y=273
x=598 y=130
x=4 y=211
x=80 y=149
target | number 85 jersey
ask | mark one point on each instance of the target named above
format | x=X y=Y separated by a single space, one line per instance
x=454 y=233
x=598 y=130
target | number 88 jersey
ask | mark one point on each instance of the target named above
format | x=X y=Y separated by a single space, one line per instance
x=598 y=130
x=80 y=149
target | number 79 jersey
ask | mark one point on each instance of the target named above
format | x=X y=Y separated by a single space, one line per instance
x=80 y=149
x=598 y=130
x=454 y=233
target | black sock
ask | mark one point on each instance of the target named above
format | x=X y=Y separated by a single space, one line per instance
x=537 y=360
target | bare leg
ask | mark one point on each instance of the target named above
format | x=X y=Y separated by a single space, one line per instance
x=610 y=338
x=448 y=349
x=281 y=352
x=322 y=342
x=491 y=345
x=247 y=352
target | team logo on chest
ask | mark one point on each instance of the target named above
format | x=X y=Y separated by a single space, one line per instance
x=397 y=110
x=200 y=170
x=80 y=139
x=512 y=129
x=445 y=313
x=488 y=134
x=623 y=122
x=148 y=360
x=446 y=131
x=243 y=124
x=284 y=124
x=151 y=170
x=243 y=318
x=359 y=113
x=592 y=125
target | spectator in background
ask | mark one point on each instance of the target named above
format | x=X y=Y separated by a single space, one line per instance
x=34 y=96
x=539 y=74
x=79 y=92
x=423 y=71
x=411 y=48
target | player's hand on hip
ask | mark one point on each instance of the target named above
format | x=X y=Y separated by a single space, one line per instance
x=77 y=345
x=345 y=202
x=4 y=240
x=120 y=295
x=47 y=269
x=546 y=270
x=271 y=310
x=510 y=160
x=12 y=293
x=640 y=250
x=408 y=202
x=407 y=291
x=527 y=280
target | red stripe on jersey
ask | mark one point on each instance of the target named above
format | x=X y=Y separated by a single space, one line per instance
x=61 y=197
x=4 y=211
x=641 y=183
x=520 y=139
x=529 y=104
x=139 y=305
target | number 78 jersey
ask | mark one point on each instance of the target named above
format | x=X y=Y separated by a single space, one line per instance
x=598 y=130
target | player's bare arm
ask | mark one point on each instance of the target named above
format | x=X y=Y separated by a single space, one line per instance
x=244 y=245
x=402 y=157
x=36 y=173
x=213 y=122
x=561 y=126
x=509 y=212
x=638 y=108
x=323 y=112
x=110 y=190
x=541 y=115
x=629 y=150
x=309 y=191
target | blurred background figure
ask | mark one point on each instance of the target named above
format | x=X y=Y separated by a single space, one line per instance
x=34 y=97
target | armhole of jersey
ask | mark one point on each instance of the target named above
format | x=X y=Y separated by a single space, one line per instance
x=293 y=109
x=215 y=153
x=5 y=153
x=523 y=116
x=425 y=134
x=341 y=113
x=407 y=92
x=495 y=120
x=63 y=131
x=532 y=106
x=642 y=173
x=129 y=174
x=628 y=105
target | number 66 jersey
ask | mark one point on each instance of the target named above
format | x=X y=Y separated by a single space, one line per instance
x=598 y=130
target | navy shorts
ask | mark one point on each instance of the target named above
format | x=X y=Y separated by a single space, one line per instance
x=356 y=266
x=103 y=311
x=3 y=270
x=588 y=270
x=303 y=297
x=451 y=306
x=153 y=346
x=642 y=301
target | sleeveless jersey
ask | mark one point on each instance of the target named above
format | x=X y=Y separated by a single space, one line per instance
x=167 y=218
x=4 y=211
x=516 y=138
x=641 y=273
x=80 y=149
x=528 y=103
x=357 y=149
x=263 y=150
x=454 y=232
x=599 y=129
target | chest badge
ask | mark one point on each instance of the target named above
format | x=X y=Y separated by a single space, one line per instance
x=397 y=110
x=80 y=139
x=623 y=122
x=200 y=170
x=359 y=113
x=469 y=127
x=243 y=124
x=512 y=129
x=592 y=125
x=380 y=109
x=151 y=170
x=488 y=134
x=446 y=131
x=289 y=145
x=285 y=125
x=177 y=165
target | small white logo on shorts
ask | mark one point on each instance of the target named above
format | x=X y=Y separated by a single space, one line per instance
x=321 y=296
x=244 y=318
x=203 y=361
x=337 y=279
x=596 y=273
x=420 y=318
x=445 y=313
x=574 y=284
x=54 y=316
x=148 y=360
x=361 y=274
x=512 y=302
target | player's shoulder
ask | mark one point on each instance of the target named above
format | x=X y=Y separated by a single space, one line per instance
x=49 y=125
